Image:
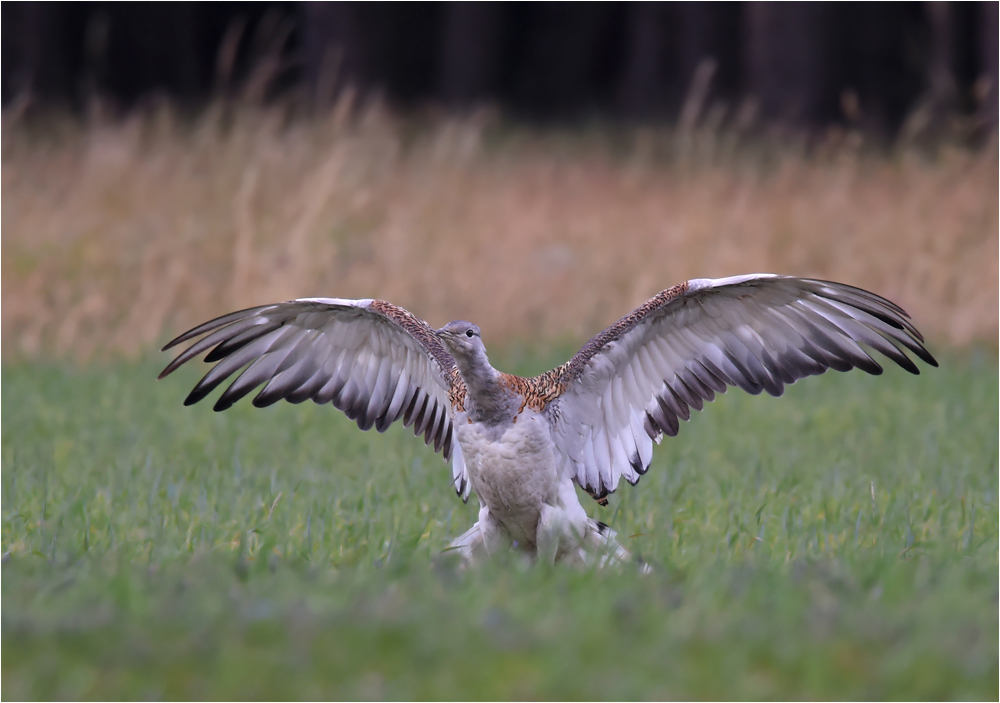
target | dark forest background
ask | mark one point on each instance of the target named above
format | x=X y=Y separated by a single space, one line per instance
x=803 y=64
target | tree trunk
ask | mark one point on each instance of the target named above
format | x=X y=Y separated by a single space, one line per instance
x=989 y=28
x=784 y=60
x=646 y=86
x=42 y=50
x=472 y=52
x=333 y=50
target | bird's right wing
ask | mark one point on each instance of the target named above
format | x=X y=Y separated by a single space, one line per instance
x=373 y=360
x=632 y=383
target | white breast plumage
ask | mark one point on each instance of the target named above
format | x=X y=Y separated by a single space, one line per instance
x=513 y=470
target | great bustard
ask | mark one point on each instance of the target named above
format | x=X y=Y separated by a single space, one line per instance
x=521 y=443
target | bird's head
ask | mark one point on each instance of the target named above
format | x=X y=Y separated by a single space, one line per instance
x=462 y=339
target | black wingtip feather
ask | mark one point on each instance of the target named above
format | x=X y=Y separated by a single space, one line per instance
x=925 y=356
x=223 y=403
x=636 y=461
x=262 y=400
x=382 y=423
x=197 y=394
x=875 y=369
x=907 y=363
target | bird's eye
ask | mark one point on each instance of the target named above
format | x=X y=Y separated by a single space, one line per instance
x=468 y=333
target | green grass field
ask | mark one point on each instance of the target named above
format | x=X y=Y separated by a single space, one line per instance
x=838 y=543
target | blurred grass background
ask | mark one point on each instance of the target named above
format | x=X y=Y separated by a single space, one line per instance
x=840 y=542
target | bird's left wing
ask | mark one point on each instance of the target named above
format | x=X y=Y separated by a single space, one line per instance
x=632 y=383
x=374 y=360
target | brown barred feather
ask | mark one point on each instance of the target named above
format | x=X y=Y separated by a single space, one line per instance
x=535 y=392
x=559 y=378
x=422 y=332
x=538 y=391
x=456 y=391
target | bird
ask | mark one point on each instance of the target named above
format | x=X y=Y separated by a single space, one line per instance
x=523 y=444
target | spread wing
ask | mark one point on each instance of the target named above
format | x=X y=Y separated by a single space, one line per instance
x=373 y=360
x=632 y=383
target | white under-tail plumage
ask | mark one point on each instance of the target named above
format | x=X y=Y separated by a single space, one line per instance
x=522 y=443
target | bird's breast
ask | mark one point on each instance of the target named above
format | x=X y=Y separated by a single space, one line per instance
x=512 y=468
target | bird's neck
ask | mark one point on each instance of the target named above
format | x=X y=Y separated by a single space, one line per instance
x=487 y=400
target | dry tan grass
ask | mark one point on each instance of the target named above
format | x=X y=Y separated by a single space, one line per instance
x=119 y=233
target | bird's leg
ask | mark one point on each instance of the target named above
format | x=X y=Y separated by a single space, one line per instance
x=495 y=537
x=551 y=531
x=469 y=546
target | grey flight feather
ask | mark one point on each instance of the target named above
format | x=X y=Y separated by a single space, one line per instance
x=636 y=380
x=373 y=360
